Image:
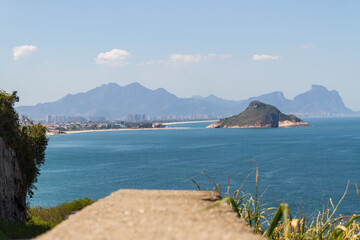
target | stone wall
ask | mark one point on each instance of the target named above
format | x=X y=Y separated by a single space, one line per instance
x=12 y=189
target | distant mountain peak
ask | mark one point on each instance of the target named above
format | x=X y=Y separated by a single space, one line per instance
x=334 y=92
x=103 y=88
x=319 y=87
x=279 y=94
x=163 y=91
x=134 y=84
x=109 y=85
x=136 y=87
x=116 y=85
x=112 y=84
x=319 y=100
x=212 y=96
x=256 y=104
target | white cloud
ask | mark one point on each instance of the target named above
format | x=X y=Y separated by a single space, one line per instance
x=115 y=57
x=308 y=46
x=264 y=57
x=176 y=59
x=23 y=51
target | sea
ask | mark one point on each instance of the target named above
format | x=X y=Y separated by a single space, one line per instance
x=304 y=167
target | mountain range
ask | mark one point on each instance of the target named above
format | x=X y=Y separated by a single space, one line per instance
x=115 y=102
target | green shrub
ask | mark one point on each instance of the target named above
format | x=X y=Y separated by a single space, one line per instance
x=27 y=139
x=41 y=219
x=29 y=229
x=54 y=215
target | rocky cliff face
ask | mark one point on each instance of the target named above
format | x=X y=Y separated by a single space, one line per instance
x=12 y=189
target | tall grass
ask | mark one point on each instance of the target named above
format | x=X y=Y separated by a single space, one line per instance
x=54 y=215
x=280 y=223
x=41 y=219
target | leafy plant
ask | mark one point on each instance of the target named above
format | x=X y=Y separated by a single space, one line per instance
x=27 y=139
x=278 y=223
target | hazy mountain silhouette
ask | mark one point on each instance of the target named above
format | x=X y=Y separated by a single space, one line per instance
x=276 y=99
x=319 y=100
x=114 y=102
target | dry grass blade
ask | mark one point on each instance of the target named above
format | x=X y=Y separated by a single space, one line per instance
x=357 y=190
x=256 y=186
x=242 y=184
x=228 y=186
x=197 y=185
x=217 y=188
x=334 y=210
x=213 y=182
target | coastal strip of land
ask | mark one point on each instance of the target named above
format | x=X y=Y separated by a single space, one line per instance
x=115 y=129
x=203 y=121
x=167 y=126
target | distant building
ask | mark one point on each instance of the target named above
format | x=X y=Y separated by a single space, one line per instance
x=97 y=119
x=63 y=119
x=182 y=117
x=55 y=119
x=130 y=117
x=136 y=117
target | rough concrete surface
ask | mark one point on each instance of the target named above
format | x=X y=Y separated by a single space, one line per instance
x=154 y=214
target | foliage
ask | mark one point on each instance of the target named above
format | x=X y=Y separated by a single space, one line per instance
x=25 y=230
x=138 y=124
x=281 y=224
x=258 y=112
x=41 y=219
x=55 y=215
x=9 y=119
x=27 y=139
x=292 y=118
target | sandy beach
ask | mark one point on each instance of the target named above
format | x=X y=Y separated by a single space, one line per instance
x=132 y=129
x=173 y=123
x=117 y=129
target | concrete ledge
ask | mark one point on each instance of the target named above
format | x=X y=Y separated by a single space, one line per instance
x=153 y=214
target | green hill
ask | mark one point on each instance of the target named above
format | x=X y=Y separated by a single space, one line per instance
x=259 y=115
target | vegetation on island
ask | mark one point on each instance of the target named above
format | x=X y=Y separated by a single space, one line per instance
x=283 y=224
x=41 y=219
x=257 y=114
x=26 y=138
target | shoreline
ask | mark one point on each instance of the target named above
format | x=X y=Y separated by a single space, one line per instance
x=203 y=121
x=112 y=130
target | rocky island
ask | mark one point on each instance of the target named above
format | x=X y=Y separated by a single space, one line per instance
x=259 y=115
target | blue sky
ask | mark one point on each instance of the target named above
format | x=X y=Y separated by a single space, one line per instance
x=233 y=49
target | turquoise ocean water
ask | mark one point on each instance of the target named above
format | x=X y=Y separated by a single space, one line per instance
x=300 y=166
